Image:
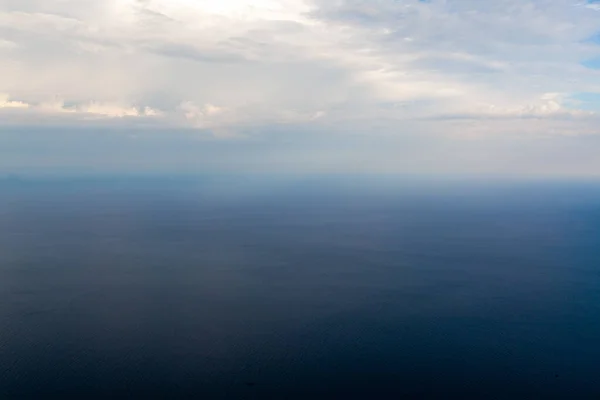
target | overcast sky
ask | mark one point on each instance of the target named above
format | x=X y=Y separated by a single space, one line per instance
x=409 y=86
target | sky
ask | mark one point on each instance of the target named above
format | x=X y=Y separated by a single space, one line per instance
x=508 y=87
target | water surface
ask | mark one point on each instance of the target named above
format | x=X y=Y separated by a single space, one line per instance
x=323 y=288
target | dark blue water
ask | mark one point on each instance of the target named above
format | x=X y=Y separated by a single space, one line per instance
x=250 y=288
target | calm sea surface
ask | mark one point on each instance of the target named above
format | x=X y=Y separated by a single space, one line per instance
x=325 y=288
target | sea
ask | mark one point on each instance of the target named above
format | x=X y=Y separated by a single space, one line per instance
x=299 y=287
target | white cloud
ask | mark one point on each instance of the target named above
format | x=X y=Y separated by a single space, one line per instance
x=6 y=102
x=84 y=111
x=201 y=117
x=7 y=44
x=233 y=64
x=117 y=111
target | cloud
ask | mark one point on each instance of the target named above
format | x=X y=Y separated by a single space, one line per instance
x=202 y=117
x=56 y=108
x=6 y=103
x=7 y=44
x=232 y=65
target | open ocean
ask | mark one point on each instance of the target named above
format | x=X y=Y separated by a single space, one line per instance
x=268 y=288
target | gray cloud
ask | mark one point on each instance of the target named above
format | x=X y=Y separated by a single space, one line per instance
x=465 y=68
x=192 y=53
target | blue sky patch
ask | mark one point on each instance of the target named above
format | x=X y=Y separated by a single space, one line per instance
x=593 y=63
x=595 y=39
x=588 y=101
